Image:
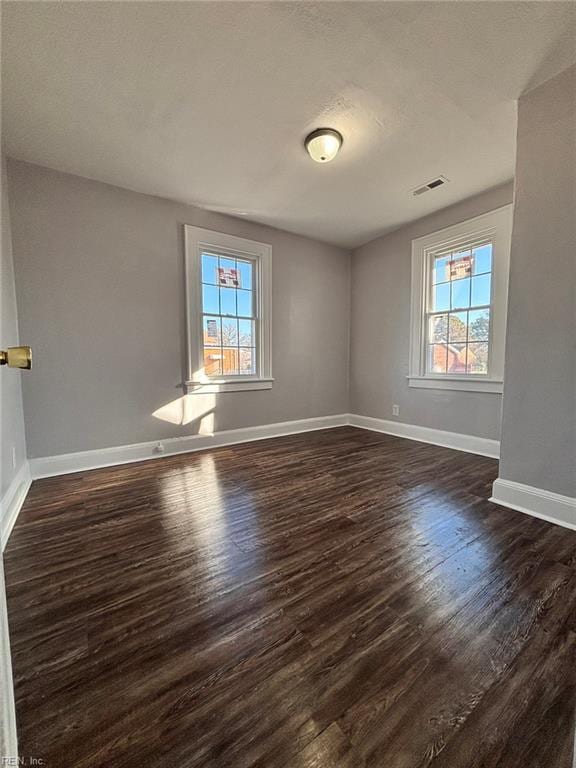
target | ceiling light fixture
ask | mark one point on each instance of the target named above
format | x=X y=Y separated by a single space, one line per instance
x=323 y=144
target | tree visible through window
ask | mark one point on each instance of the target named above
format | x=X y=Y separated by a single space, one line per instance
x=458 y=311
x=228 y=315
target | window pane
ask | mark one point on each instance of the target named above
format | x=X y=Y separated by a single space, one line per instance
x=245 y=274
x=440 y=271
x=478 y=357
x=247 y=361
x=213 y=362
x=227 y=263
x=246 y=333
x=437 y=358
x=458 y=326
x=209 y=268
x=460 y=265
x=245 y=303
x=228 y=301
x=479 y=325
x=482 y=261
x=441 y=297
x=229 y=332
x=210 y=299
x=438 y=328
x=480 y=290
x=227 y=273
x=460 y=293
x=211 y=330
x=457 y=358
x=230 y=360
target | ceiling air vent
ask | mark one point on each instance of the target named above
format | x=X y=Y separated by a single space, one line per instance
x=430 y=185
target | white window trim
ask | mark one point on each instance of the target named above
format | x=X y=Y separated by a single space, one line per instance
x=196 y=240
x=497 y=225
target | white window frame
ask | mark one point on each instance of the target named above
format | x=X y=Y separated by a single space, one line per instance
x=497 y=226
x=196 y=241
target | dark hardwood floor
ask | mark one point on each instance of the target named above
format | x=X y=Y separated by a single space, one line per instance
x=338 y=599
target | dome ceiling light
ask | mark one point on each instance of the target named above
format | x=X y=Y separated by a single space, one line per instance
x=323 y=144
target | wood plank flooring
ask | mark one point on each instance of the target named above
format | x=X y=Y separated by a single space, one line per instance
x=338 y=599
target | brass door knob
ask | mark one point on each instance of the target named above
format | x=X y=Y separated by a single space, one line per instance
x=16 y=357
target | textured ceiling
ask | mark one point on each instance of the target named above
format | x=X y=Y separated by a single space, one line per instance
x=209 y=103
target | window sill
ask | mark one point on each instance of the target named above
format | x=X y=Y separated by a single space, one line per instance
x=493 y=386
x=217 y=386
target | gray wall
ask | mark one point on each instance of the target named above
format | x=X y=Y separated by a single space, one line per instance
x=100 y=277
x=380 y=332
x=539 y=409
x=12 y=420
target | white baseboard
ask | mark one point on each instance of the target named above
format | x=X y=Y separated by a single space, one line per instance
x=62 y=464
x=552 y=507
x=12 y=501
x=467 y=443
x=66 y=463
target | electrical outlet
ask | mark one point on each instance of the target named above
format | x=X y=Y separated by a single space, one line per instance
x=13 y=457
x=395 y=410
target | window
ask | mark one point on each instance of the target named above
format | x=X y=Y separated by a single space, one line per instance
x=229 y=329
x=459 y=292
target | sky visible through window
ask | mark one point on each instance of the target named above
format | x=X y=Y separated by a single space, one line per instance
x=459 y=311
x=228 y=317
